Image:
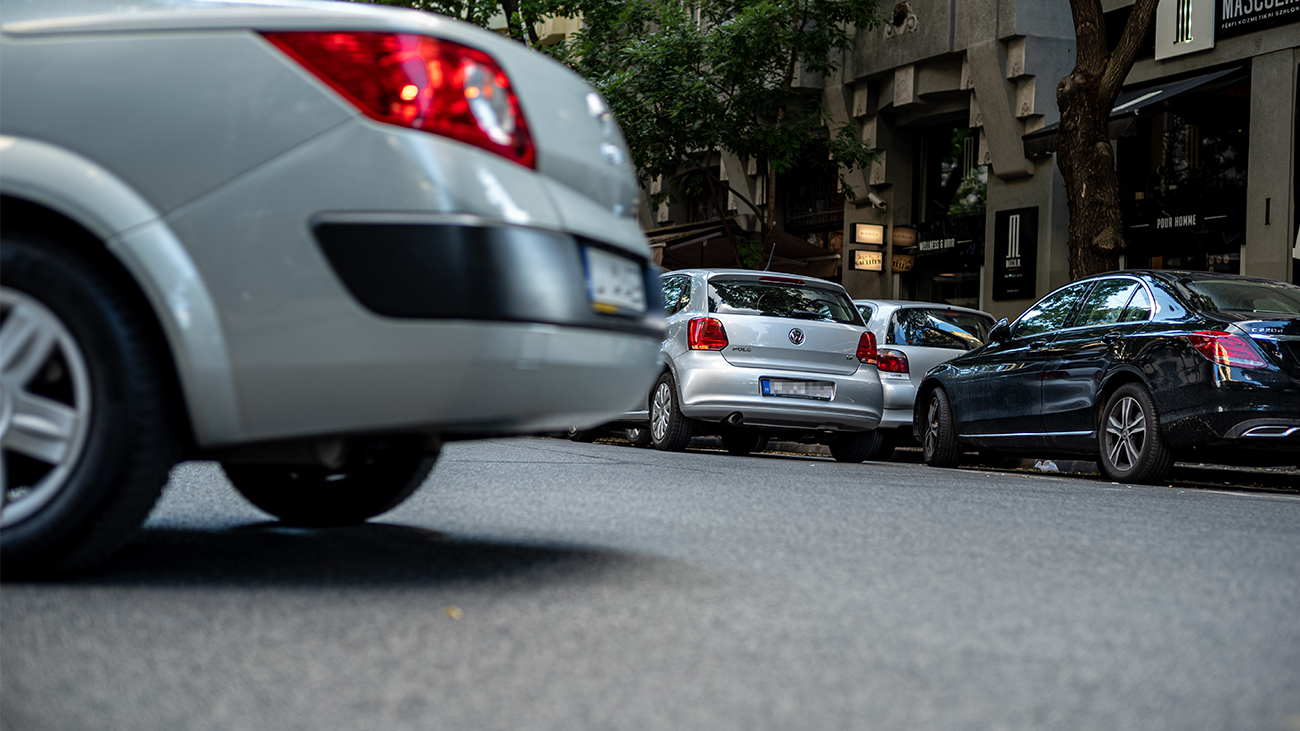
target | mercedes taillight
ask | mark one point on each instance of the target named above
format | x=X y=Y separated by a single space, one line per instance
x=1227 y=349
x=419 y=82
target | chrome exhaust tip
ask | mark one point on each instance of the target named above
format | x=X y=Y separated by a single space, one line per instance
x=734 y=418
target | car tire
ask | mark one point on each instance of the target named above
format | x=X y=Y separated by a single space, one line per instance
x=639 y=436
x=586 y=436
x=939 y=432
x=882 y=453
x=1131 y=448
x=856 y=446
x=670 y=430
x=741 y=442
x=86 y=419
x=373 y=480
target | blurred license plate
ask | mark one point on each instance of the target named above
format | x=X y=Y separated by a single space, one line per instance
x=615 y=284
x=791 y=388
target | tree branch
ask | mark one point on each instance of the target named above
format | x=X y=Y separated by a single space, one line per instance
x=1090 y=36
x=1121 y=59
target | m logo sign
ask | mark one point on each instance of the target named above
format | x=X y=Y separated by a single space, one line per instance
x=1013 y=241
x=1015 y=253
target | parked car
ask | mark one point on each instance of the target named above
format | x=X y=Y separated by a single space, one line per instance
x=309 y=240
x=751 y=356
x=1133 y=368
x=912 y=338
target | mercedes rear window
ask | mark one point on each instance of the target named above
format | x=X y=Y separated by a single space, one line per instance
x=771 y=299
x=939 y=328
x=1234 y=295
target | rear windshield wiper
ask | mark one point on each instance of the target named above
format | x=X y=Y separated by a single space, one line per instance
x=807 y=315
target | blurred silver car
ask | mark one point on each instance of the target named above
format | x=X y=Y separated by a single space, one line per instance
x=751 y=355
x=309 y=240
x=914 y=337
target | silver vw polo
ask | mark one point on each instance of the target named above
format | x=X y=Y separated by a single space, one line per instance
x=751 y=355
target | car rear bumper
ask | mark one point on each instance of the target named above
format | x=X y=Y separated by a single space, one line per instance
x=464 y=270
x=899 y=398
x=712 y=389
x=453 y=299
x=1268 y=420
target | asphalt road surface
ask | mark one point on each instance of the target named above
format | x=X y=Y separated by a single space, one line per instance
x=542 y=584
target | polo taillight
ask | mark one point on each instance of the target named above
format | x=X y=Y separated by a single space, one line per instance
x=1227 y=349
x=867 y=348
x=419 y=82
x=892 y=361
x=706 y=333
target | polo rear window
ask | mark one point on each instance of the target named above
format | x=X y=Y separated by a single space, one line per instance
x=781 y=300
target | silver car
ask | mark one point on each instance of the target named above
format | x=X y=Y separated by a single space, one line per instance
x=751 y=355
x=914 y=337
x=309 y=240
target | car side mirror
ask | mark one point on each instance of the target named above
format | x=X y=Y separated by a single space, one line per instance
x=1000 y=331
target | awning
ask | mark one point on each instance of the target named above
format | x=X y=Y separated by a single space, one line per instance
x=1132 y=104
x=705 y=244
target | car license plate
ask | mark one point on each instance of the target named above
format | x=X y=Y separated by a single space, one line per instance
x=615 y=284
x=792 y=388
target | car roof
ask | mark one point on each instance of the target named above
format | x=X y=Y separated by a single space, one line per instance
x=753 y=273
x=915 y=304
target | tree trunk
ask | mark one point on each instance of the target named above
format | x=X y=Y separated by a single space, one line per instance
x=1085 y=154
x=1087 y=162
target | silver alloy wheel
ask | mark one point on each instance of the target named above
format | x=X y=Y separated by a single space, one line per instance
x=1125 y=433
x=660 y=408
x=932 y=426
x=45 y=404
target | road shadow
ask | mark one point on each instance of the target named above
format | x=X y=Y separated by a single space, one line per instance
x=370 y=554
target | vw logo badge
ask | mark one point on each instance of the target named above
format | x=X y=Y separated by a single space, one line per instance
x=796 y=336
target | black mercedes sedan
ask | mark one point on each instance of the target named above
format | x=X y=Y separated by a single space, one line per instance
x=1134 y=368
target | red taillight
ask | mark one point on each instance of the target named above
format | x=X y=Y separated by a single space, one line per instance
x=781 y=280
x=892 y=361
x=706 y=333
x=419 y=82
x=1227 y=349
x=867 y=348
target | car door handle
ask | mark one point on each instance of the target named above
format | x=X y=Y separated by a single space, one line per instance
x=1110 y=338
x=1038 y=343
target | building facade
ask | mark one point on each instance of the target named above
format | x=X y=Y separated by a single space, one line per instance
x=965 y=204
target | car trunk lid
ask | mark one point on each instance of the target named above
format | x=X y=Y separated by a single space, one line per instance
x=786 y=324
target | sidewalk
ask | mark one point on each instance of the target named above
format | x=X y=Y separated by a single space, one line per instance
x=1271 y=479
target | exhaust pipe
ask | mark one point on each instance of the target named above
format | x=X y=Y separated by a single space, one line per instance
x=734 y=418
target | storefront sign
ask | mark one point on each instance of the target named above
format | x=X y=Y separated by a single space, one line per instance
x=902 y=262
x=904 y=236
x=938 y=244
x=868 y=261
x=1236 y=17
x=1176 y=221
x=1184 y=26
x=1015 y=254
x=868 y=233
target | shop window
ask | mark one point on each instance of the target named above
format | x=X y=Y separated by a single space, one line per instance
x=1182 y=174
x=950 y=196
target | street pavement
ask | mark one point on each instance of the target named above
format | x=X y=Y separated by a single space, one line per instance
x=544 y=584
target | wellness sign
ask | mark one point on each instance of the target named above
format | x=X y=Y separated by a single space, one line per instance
x=1247 y=16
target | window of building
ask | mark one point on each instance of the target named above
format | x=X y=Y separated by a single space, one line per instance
x=1182 y=176
x=949 y=198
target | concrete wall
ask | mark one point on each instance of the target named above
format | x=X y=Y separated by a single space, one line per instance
x=1270 y=176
